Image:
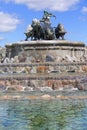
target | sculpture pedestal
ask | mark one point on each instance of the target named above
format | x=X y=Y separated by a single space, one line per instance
x=55 y=48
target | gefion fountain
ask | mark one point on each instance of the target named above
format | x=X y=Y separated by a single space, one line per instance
x=44 y=62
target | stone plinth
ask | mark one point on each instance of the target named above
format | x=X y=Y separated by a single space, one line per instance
x=55 y=48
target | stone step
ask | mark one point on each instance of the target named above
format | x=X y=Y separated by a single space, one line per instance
x=41 y=64
x=58 y=76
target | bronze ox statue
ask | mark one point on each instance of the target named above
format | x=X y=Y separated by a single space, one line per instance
x=60 y=31
x=42 y=30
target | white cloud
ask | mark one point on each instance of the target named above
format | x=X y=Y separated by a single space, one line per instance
x=84 y=9
x=1 y=38
x=8 y=22
x=56 y=5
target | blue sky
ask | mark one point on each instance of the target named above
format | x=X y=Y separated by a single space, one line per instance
x=16 y=15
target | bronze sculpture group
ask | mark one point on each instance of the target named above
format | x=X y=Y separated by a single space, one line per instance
x=42 y=30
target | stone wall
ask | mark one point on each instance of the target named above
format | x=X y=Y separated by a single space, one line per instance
x=41 y=65
x=63 y=83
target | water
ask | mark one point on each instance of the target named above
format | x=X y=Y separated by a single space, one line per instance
x=48 y=114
